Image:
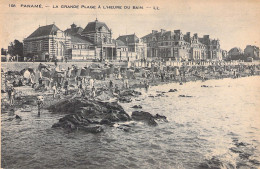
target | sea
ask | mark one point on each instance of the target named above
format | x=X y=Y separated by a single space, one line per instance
x=217 y=127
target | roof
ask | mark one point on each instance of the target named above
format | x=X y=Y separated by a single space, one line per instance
x=93 y=26
x=80 y=39
x=236 y=49
x=77 y=30
x=44 y=31
x=119 y=42
x=128 y=38
x=146 y=36
x=157 y=34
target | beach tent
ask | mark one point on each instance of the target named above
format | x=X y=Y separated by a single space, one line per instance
x=45 y=66
x=13 y=73
x=123 y=69
x=95 y=65
x=95 y=73
x=84 y=72
x=58 y=76
x=27 y=74
x=176 y=72
x=130 y=73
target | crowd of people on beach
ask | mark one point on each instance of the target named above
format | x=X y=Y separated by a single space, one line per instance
x=70 y=82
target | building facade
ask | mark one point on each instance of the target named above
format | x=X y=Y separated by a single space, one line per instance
x=81 y=47
x=236 y=54
x=135 y=48
x=181 y=47
x=47 y=42
x=252 y=51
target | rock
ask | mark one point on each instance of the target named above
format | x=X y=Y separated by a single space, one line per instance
x=144 y=116
x=88 y=115
x=213 y=163
x=137 y=107
x=160 y=117
x=184 y=96
x=254 y=161
x=244 y=155
x=205 y=86
x=130 y=93
x=92 y=129
x=173 y=90
x=18 y=98
x=148 y=118
x=106 y=122
x=125 y=99
x=236 y=150
x=124 y=128
x=241 y=144
x=18 y=117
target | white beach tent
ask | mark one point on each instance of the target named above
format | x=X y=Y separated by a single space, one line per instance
x=27 y=74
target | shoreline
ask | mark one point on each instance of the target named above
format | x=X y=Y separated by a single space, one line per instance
x=30 y=100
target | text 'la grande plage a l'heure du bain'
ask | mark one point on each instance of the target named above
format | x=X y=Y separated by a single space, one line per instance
x=76 y=6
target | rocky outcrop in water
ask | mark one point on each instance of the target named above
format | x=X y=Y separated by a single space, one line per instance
x=130 y=93
x=173 y=90
x=88 y=115
x=147 y=117
x=184 y=95
x=137 y=107
x=125 y=96
x=92 y=115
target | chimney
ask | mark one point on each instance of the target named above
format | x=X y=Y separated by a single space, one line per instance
x=154 y=32
x=162 y=31
x=73 y=26
x=177 y=31
x=206 y=37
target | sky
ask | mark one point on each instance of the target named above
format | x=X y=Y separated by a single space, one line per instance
x=236 y=23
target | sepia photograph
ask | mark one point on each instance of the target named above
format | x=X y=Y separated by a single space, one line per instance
x=145 y=84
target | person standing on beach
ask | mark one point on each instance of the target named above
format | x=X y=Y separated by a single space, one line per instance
x=66 y=86
x=91 y=83
x=69 y=72
x=111 y=84
x=10 y=95
x=55 y=62
x=39 y=103
x=54 y=88
x=126 y=83
x=117 y=89
x=93 y=91
x=146 y=85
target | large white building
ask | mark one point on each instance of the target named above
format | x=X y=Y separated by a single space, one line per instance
x=93 y=42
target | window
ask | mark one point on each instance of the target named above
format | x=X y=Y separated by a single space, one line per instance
x=30 y=47
x=39 y=46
